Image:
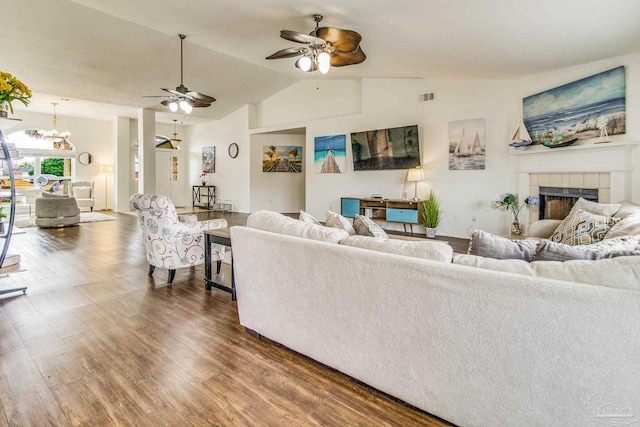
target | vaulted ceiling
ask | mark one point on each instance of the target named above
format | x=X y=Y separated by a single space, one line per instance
x=105 y=55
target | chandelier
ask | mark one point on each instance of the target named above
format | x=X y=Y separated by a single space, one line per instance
x=175 y=142
x=59 y=139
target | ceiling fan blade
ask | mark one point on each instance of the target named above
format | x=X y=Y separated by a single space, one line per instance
x=289 y=52
x=173 y=92
x=340 y=59
x=295 y=36
x=197 y=104
x=314 y=67
x=201 y=97
x=166 y=102
x=342 y=40
x=154 y=96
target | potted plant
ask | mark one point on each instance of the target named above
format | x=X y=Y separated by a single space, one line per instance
x=431 y=214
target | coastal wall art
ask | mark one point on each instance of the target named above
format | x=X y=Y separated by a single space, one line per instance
x=208 y=159
x=395 y=148
x=586 y=108
x=330 y=154
x=282 y=158
x=467 y=144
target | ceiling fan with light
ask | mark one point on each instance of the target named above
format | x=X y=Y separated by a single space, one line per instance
x=182 y=98
x=325 y=47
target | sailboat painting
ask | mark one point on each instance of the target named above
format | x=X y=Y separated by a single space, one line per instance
x=467 y=144
x=330 y=154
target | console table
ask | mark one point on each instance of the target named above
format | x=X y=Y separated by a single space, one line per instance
x=200 y=192
x=390 y=210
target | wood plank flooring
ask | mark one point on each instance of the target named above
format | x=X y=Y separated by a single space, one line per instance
x=97 y=342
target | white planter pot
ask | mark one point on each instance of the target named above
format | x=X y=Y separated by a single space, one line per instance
x=431 y=233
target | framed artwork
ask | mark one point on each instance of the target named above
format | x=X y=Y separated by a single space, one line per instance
x=208 y=159
x=587 y=108
x=330 y=154
x=381 y=149
x=282 y=158
x=467 y=144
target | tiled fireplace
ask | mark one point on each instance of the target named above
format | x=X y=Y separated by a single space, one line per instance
x=608 y=170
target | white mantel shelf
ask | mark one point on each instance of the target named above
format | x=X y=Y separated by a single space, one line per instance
x=578 y=146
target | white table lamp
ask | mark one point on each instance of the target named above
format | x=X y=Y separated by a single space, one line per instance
x=415 y=175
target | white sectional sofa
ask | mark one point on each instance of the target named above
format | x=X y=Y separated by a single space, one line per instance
x=473 y=346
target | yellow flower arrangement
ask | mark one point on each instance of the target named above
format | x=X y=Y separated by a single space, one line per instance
x=12 y=89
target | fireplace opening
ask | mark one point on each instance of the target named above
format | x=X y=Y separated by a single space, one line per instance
x=556 y=202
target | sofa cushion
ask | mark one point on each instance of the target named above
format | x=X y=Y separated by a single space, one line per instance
x=367 y=227
x=81 y=192
x=277 y=223
x=517 y=266
x=491 y=246
x=307 y=217
x=582 y=228
x=604 y=209
x=435 y=251
x=336 y=220
x=610 y=248
x=622 y=272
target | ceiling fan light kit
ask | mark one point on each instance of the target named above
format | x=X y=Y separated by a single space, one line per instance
x=326 y=47
x=182 y=98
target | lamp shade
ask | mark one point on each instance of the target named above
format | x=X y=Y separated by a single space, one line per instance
x=415 y=175
x=105 y=169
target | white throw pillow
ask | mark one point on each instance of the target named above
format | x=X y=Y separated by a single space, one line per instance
x=336 y=220
x=81 y=192
x=277 y=223
x=435 y=251
x=604 y=209
x=627 y=226
x=517 y=266
x=307 y=217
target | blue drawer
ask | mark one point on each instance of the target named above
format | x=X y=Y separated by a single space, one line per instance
x=349 y=207
x=402 y=215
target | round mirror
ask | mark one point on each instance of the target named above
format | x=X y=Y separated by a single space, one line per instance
x=85 y=158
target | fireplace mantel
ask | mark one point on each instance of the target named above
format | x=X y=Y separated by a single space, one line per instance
x=616 y=163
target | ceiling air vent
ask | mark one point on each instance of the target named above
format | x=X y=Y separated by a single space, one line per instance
x=429 y=96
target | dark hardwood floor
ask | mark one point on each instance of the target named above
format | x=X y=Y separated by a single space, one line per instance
x=95 y=341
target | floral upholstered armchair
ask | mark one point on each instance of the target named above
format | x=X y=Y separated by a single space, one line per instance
x=173 y=241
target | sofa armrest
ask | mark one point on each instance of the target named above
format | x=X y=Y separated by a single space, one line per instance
x=543 y=228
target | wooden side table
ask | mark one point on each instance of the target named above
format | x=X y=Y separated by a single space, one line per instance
x=220 y=236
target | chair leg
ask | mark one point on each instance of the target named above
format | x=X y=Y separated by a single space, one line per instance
x=172 y=274
x=151 y=268
x=218 y=265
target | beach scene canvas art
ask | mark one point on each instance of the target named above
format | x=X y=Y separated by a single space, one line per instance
x=467 y=144
x=330 y=154
x=587 y=108
x=282 y=158
x=394 y=148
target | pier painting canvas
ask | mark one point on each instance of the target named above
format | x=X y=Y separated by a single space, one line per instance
x=208 y=159
x=330 y=154
x=467 y=144
x=282 y=158
x=587 y=108
x=381 y=149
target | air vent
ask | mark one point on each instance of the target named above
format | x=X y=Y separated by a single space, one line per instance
x=429 y=96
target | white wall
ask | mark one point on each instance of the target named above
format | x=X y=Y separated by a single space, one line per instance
x=232 y=175
x=280 y=192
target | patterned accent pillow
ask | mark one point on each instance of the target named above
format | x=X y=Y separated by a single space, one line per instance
x=367 y=227
x=490 y=246
x=610 y=248
x=307 y=217
x=583 y=228
x=338 y=221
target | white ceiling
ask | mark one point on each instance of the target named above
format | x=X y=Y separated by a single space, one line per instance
x=112 y=52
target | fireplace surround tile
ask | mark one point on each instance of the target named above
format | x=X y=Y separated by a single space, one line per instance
x=605 y=180
x=576 y=180
x=591 y=180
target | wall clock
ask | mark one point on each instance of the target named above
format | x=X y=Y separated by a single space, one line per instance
x=233 y=150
